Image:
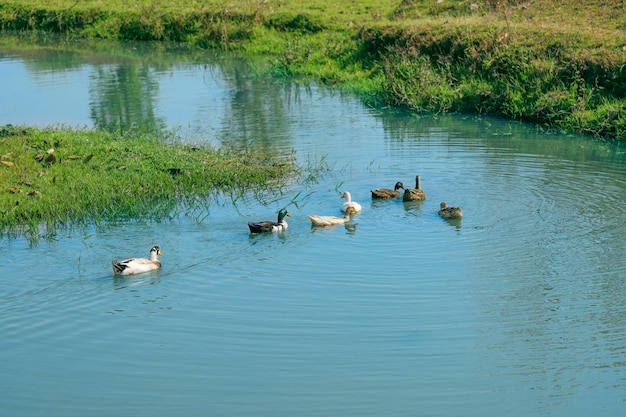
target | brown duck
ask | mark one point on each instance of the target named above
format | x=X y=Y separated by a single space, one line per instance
x=414 y=194
x=387 y=193
x=450 y=212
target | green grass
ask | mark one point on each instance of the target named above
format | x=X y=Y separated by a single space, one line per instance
x=54 y=177
x=560 y=64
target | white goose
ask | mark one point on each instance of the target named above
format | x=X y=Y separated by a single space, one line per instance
x=349 y=203
x=133 y=266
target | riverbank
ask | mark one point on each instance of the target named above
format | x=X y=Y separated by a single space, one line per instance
x=562 y=66
x=55 y=177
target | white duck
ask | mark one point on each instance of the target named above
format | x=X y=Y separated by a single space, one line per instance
x=349 y=203
x=332 y=220
x=133 y=266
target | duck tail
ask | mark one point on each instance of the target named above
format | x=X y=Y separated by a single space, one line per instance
x=118 y=268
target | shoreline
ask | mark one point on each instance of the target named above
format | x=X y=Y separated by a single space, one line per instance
x=563 y=68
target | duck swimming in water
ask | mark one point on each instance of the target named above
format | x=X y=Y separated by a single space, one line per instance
x=387 y=193
x=133 y=266
x=268 y=226
x=332 y=220
x=450 y=212
x=414 y=194
x=349 y=203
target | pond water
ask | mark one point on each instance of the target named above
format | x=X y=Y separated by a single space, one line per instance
x=518 y=309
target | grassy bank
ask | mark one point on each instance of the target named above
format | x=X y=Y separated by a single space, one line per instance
x=53 y=177
x=559 y=64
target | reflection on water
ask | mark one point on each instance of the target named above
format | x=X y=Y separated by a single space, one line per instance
x=516 y=310
x=123 y=98
x=134 y=90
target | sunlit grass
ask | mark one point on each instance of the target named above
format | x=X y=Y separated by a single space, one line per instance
x=511 y=58
x=59 y=176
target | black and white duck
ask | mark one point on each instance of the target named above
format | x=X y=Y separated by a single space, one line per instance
x=133 y=266
x=268 y=226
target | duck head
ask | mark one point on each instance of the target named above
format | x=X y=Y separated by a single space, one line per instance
x=282 y=213
x=154 y=252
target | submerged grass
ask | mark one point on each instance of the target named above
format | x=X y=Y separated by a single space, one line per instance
x=560 y=64
x=53 y=177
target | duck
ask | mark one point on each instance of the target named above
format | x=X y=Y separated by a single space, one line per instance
x=450 y=212
x=414 y=194
x=268 y=226
x=133 y=266
x=332 y=220
x=350 y=203
x=387 y=193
